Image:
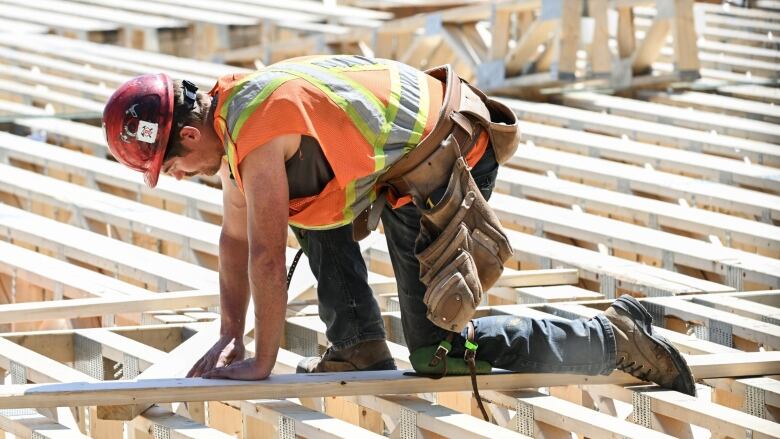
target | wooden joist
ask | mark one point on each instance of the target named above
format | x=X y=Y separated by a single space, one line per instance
x=158 y=270
x=650 y=132
x=344 y=384
x=689 y=163
x=732 y=231
x=668 y=114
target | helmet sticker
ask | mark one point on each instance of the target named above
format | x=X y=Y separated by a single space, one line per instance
x=147 y=131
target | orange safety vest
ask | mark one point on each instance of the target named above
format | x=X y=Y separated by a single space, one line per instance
x=365 y=113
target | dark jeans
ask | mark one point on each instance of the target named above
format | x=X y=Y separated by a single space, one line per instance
x=351 y=314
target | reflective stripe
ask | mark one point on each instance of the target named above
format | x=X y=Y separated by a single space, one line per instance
x=393 y=102
x=363 y=108
x=350 y=61
x=422 y=113
x=251 y=96
x=349 y=193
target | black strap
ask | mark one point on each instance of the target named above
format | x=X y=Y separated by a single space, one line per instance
x=190 y=93
x=292 y=267
x=470 y=358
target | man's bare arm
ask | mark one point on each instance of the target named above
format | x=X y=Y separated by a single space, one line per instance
x=233 y=258
x=267 y=197
x=233 y=280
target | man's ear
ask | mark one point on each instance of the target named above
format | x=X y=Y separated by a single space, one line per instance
x=189 y=135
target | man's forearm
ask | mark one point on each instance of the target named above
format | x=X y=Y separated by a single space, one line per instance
x=233 y=284
x=269 y=292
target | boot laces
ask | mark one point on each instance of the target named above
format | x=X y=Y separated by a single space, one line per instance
x=636 y=370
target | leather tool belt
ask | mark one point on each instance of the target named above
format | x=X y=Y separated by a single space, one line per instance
x=461 y=246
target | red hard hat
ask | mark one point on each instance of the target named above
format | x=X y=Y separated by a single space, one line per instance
x=137 y=121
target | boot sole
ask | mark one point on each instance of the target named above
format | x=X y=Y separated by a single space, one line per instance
x=637 y=311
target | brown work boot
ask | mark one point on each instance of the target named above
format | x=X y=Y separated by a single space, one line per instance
x=643 y=353
x=368 y=355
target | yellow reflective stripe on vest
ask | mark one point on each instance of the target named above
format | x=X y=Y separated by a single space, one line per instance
x=372 y=108
x=422 y=112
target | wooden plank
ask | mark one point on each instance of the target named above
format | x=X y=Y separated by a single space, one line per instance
x=105 y=15
x=18 y=27
x=87 y=204
x=600 y=55
x=636 y=239
x=756 y=110
x=61 y=99
x=44 y=63
x=142 y=57
x=41 y=369
x=559 y=293
x=570 y=416
x=650 y=132
x=196 y=197
x=301 y=421
x=520 y=55
x=672 y=115
x=763 y=333
x=686 y=54
x=650 y=46
x=131 y=67
x=626 y=178
x=159 y=421
x=753 y=92
x=742 y=307
x=92 y=307
x=344 y=384
x=104 y=252
x=690 y=163
x=718 y=419
x=31 y=424
x=62 y=22
x=733 y=231
x=59 y=276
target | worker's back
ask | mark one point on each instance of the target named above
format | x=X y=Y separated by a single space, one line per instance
x=363 y=113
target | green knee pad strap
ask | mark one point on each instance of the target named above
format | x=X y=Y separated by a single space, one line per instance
x=421 y=362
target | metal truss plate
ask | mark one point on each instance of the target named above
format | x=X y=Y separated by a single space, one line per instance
x=408 y=423
x=607 y=286
x=755 y=402
x=130 y=367
x=701 y=332
x=657 y=292
x=302 y=341
x=735 y=277
x=286 y=428
x=18 y=373
x=89 y=356
x=161 y=432
x=8 y=413
x=720 y=333
x=657 y=311
x=771 y=320
x=667 y=260
x=524 y=419
x=642 y=415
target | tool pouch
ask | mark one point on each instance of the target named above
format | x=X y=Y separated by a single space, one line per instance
x=461 y=249
x=499 y=120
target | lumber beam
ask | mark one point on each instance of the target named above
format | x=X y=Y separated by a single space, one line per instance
x=346 y=384
x=58 y=309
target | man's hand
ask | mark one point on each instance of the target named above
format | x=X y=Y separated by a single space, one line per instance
x=224 y=352
x=249 y=369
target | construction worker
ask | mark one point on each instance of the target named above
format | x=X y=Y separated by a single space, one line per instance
x=336 y=139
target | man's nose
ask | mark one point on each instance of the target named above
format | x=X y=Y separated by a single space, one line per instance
x=178 y=175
